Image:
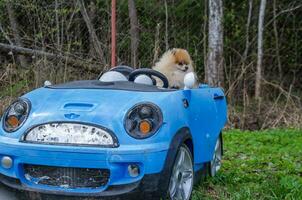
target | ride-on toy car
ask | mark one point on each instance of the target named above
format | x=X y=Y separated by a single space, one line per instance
x=119 y=136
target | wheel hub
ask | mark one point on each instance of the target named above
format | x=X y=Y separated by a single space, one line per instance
x=181 y=182
x=216 y=161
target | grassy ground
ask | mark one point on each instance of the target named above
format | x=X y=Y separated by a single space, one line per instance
x=257 y=165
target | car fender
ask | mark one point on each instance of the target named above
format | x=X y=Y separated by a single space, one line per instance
x=179 y=138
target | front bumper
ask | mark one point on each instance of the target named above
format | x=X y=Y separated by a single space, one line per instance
x=150 y=158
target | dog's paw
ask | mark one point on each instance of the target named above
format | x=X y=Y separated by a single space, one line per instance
x=175 y=87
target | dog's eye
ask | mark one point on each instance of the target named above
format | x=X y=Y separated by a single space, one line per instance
x=181 y=63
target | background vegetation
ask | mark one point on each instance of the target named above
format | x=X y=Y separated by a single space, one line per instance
x=58 y=27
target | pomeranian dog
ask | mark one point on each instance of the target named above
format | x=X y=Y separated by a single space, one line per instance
x=175 y=64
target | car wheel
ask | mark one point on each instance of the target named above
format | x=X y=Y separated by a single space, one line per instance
x=182 y=177
x=215 y=164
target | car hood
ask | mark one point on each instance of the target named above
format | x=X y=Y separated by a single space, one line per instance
x=102 y=107
x=51 y=104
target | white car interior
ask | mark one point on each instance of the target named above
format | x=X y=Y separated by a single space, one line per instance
x=113 y=76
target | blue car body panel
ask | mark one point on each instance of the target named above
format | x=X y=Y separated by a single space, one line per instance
x=205 y=117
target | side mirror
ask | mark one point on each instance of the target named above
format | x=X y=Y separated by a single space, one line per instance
x=189 y=81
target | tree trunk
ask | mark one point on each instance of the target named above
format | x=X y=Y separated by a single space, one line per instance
x=92 y=16
x=166 y=26
x=133 y=32
x=205 y=19
x=247 y=36
x=156 y=44
x=244 y=64
x=57 y=24
x=16 y=34
x=92 y=32
x=277 y=41
x=260 y=50
x=215 y=61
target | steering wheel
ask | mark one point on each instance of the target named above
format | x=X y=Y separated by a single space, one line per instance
x=125 y=70
x=149 y=72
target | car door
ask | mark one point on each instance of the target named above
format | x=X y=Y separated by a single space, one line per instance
x=203 y=120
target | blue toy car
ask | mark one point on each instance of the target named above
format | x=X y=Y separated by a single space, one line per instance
x=117 y=136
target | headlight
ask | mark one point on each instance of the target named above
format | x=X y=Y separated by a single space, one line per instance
x=143 y=120
x=70 y=134
x=16 y=115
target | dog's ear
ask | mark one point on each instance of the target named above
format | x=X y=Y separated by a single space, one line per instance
x=173 y=51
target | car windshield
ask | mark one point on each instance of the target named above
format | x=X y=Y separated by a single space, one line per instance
x=116 y=85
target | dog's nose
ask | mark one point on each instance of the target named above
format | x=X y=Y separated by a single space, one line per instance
x=186 y=68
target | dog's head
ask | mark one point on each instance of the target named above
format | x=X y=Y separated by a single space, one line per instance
x=182 y=60
x=175 y=64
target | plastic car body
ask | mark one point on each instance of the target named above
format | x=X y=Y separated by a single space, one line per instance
x=194 y=117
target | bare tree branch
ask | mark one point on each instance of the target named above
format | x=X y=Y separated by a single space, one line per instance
x=5 y=35
x=92 y=32
x=276 y=16
x=14 y=26
x=67 y=58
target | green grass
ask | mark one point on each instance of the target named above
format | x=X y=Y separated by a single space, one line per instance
x=257 y=165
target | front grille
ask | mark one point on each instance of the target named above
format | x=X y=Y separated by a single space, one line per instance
x=66 y=177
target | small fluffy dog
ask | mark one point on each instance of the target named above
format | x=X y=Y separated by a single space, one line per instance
x=175 y=64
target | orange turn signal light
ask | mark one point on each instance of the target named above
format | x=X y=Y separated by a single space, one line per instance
x=13 y=121
x=145 y=127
